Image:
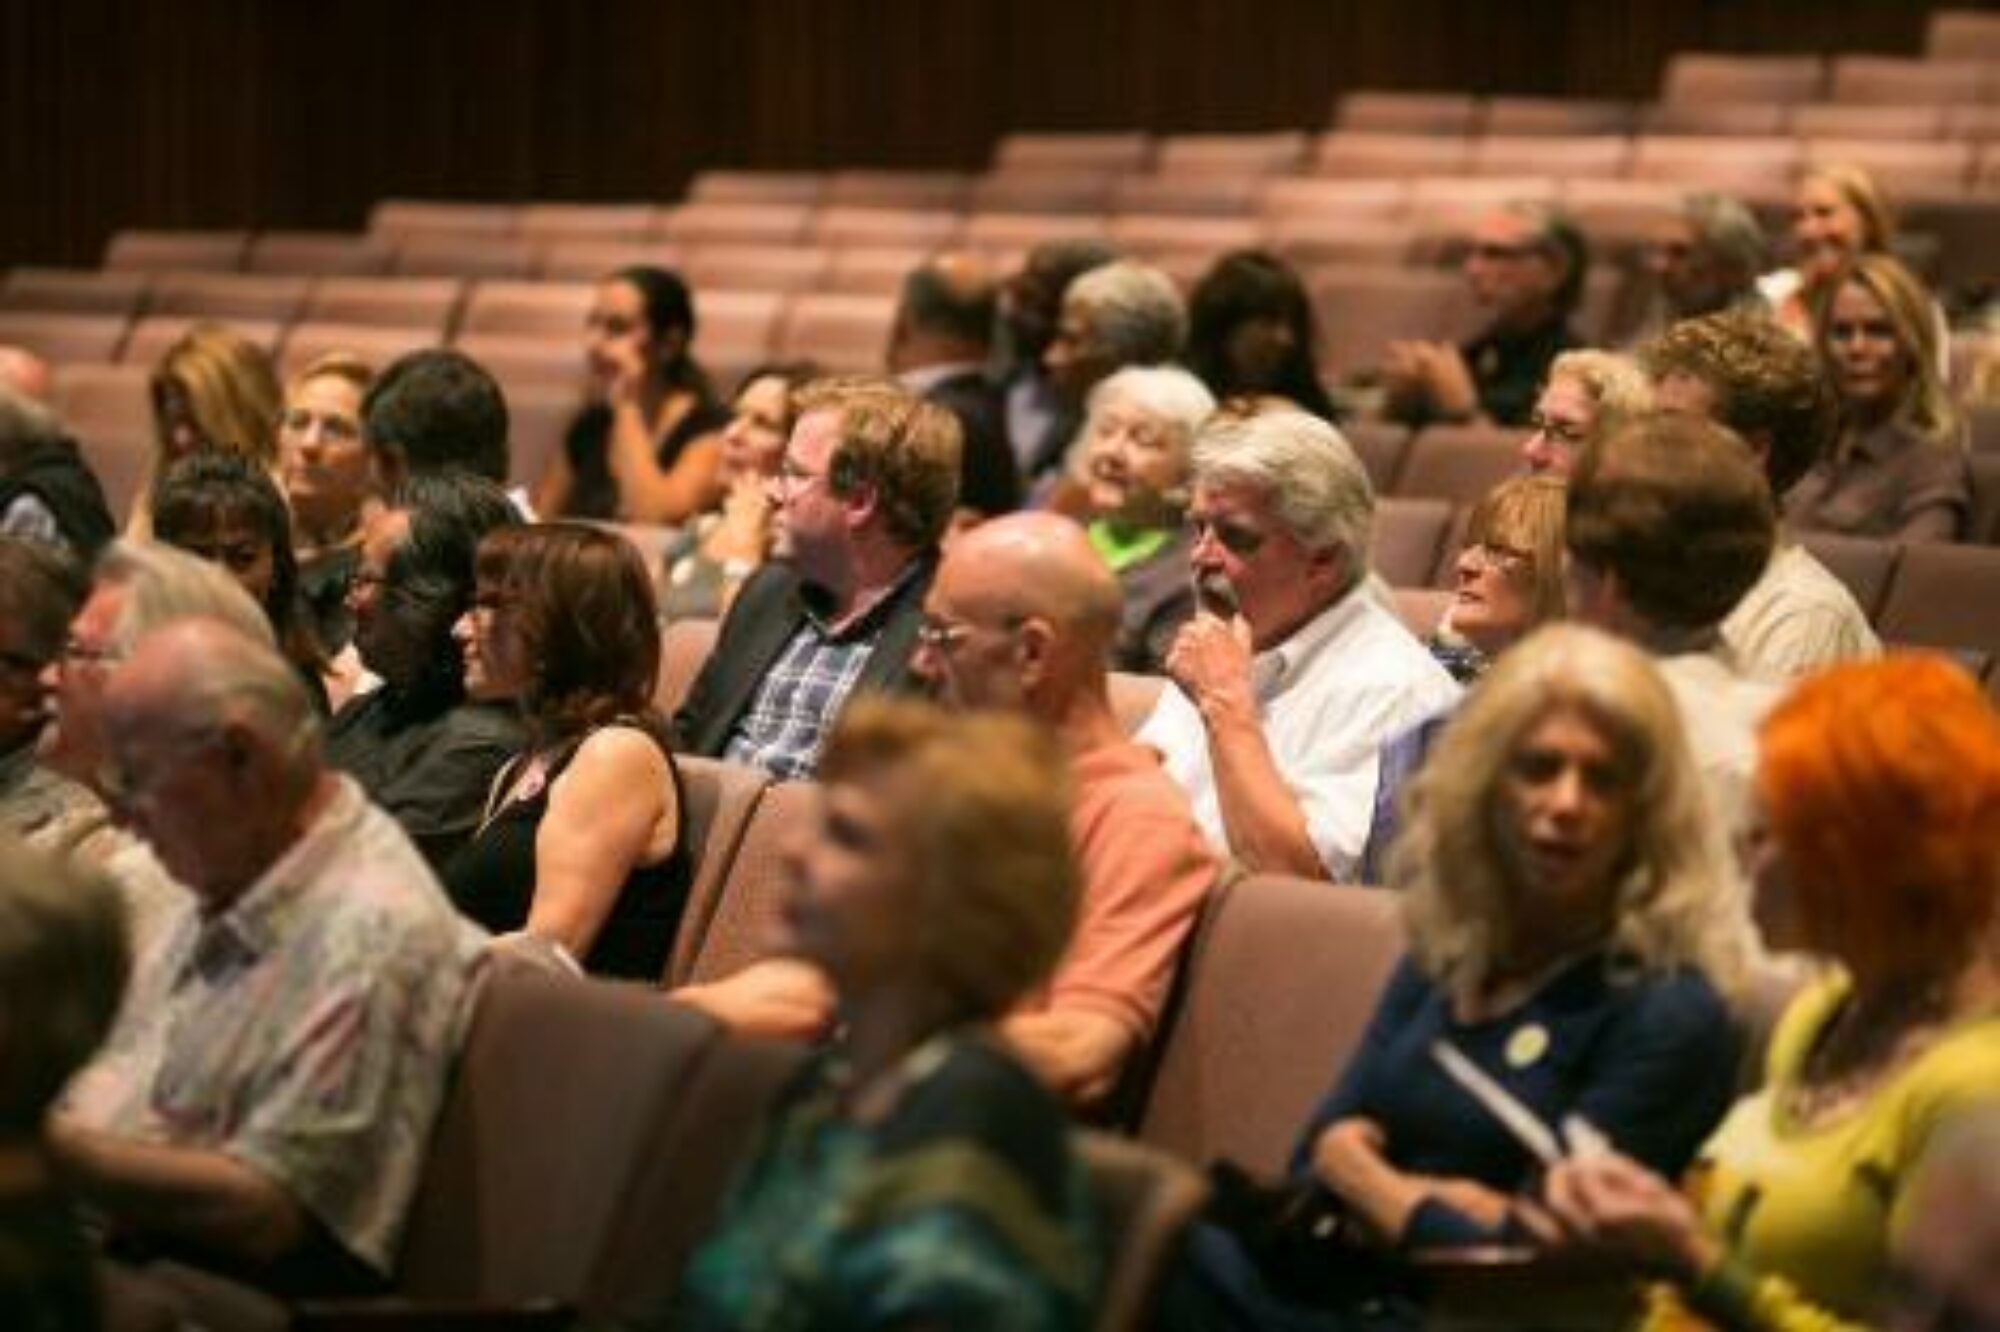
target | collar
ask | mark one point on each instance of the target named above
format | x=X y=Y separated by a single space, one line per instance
x=260 y=919
x=1273 y=669
x=927 y=377
x=866 y=616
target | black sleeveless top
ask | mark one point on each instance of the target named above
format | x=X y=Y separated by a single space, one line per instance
x=492 y=880
x=593 y=490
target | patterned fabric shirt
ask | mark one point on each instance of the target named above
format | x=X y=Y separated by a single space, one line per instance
x=306 y=1030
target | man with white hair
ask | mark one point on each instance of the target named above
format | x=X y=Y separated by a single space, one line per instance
x=1291 y=674
x=263 y=1101
x=1120 y=314
x=1707 y=257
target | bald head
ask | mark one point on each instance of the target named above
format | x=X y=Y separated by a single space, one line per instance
x=1044 y=565
x=196 y=673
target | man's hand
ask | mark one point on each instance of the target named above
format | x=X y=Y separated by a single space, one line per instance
x=1210 y=661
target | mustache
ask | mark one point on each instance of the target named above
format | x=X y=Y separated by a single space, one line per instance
x=1214 y=593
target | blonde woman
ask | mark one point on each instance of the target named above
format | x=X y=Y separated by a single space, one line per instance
x=213 y=389
x=1838 y=215
x=1589 y=395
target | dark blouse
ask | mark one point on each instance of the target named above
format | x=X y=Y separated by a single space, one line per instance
x=1508 y=368
x=593 y=490
x=1891 y=483
x=430 y=768
x=492 y=880
x=323 y=583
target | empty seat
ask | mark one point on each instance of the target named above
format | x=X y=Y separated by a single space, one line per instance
x=1459 y=463
x=721 y=798
x=188 y=251
x=1864 y=564
x=1421 y=609
x=318 y=253
x=1144 y=1201
x=785 y=268
x=109 y=409
x=1444 y=209
x=1407 y=538
x=565 y=260
x=798 y=188
x=74 y=291
x=1362 y=309
x=1406 y=112
x=1154 y=237
x=548 y=222
x=1286 y=196
x=928 y=190
x=1907 y=81
x=872 y=270
x=1620 y=215
x=1066 y=150
x=1232 y=154
x=1944 y=596
x=1965 y=121
x=1016 y=231
x=1556 y=116
x=1333 y=238
x=150 y=337
x=1716 y=118
x=1700 y=76
x=1965 y=34
x=1940 y=168
x=744 y=926
x=377 y=344
x=1042 y=191
x=1551 y=155
x=763 y=223
x=839 y=332
x=464 y=254
x=1279 y=985
x=1203 y=194
x=1843 y=120
x=1755 y=168
x=400 y=303
x=846 y=225
x=738 y=327
x=551 y=309
x=519 y=360
x=402 y=217
x=684 y=648
x=538 y=417
x=1380 y=445
x=1368 y=153
x=278 y=298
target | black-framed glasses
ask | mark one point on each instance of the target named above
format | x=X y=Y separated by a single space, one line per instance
x=1239 y=539
x=1562 y=432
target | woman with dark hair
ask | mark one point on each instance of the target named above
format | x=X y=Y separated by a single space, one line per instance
x=581 y=845
x=227 y=509
x=1251 y=333
x=647 y=449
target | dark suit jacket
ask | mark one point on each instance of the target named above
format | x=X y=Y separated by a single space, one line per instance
x=989 y=481
x=763 y=618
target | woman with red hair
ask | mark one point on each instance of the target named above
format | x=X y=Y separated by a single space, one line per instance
x=1881 y=785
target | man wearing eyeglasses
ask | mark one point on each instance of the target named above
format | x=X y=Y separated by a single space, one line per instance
x=1291 y=675
x=867 y=486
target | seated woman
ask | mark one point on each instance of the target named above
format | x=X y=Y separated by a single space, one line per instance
x=329 y=481
x=1838 y=215
x=1508 y=577
x=1252 y=334
x=1565 y=900
x=1881 y=784
x=1899 y=469
x=227 y=510
x=918 y=1176
x=646 y=450
x=213 y=390
x=722 y=547
x=581 y=845
x=1588 y=396
x=1138 y=442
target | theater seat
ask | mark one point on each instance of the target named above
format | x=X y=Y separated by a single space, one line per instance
x=109 y=410
x=1965 y=34
x=546 y=223
x=756 y=267
x=1362 y=308
x=871 y=225
x=176 y=251
x=569 y=260
x=1459 y=463
x=1231 y=154
x=538 y=416
x=721 y=797
x=1453 y=114
x=319 y=254
x=464 y=255
x=942 y=190
x=1145 y=1201
x=837 y=331
x=63 y=337
x=1408 y=536
x=1356 y=153
x=1696 y=77
x=1556 y=116
x=278 y=298
x=1017 y=190
x=394 y=302
x=548 y=309
x=1907 y=81
x=743 y=926
x=684 y=648
x=1280 y=983
x=872 y=270
x=1381 y=446
x=151 y=336
x=308 y=341
x=404 y=217
x=1944 y=596
x=74 y=291
x=746 y=223
x=798 y=188
x=1062 y=150
x=1864 y=564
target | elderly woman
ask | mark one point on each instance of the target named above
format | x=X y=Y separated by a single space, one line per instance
x=1899 y=469
x=918 y=1177
x=581 y=844
x=329 y=480
x=1564 y=898
x=1136 y=466
x=646 y=449
x=723 y=547
x=213 y=390
x=1251 y=333
x=1588 y=396
x=1881 y=783
x=1508 y=577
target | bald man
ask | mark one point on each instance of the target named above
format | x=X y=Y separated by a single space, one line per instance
x=1021 y=617
x=263 y=1099
x=938 y=348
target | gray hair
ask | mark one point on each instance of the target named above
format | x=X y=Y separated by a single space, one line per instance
x=1306 y=470
x=1727 y=229
x=163 y=584
x=229 y=678
x=1165 y=392
x=1137 y=316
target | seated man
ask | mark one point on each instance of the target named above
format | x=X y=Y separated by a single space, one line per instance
x=1706 y=258
x=433 y=410
x=1122 y=313
x=1742 y=370
x=939 y=347
x=1021 y=618
x=1291 y=673
x=418 y=746
x=264 y=1099
x=867 y=487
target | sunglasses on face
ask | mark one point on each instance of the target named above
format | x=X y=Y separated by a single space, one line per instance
x=1239 y=539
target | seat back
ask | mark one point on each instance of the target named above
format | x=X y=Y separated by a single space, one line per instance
x=1459 y=463
x=109 y=409
x=1421 y=608
x=721 y=797
x=1145 y=1200
x=742 y=928
x=1863 y=563
x=1944 y=597
x=1407 y=536
x=1281 y=981
x=86 y=291
x=684 y=648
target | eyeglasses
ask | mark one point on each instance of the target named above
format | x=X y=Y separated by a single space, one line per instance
x=1499 y=558
x=1562 y=432
x=1238 y=539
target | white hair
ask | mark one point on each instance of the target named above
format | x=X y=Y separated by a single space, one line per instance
x=163 y=584
x=1305 y=469
x=1137 y=316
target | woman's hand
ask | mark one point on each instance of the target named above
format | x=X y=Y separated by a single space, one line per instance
x=626 y=385
x=1348 y=1155
x=745 y=530
x=1612 y=1204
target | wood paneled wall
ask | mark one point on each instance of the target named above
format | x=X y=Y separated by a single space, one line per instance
x=287 y=113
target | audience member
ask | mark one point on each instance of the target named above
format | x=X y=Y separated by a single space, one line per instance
x=1741 y=370
x=582 y=844
x=435 y=409
x=646 y=449
x=1669 y=524
x=264 y=1099
x=1881 y=783
x=230 y=512
x=1252 y=333
x=865 y=492
x=330 y=483
x=1526 y=266
x=1137 y=464
x=938 y=350
x=213 y=390
x=1123 y=313
x=47 y=492
x=1705 y=259
x=424 y=752
x=1020 y=619
x=917 y=1176
x=63 y=962
x=707 y=564
x=1838 y=215
x=40 y=590
x=1569 y=936
x=1030 y=306
x=1899 y=469
x=1588 y=396
x=1294 y=674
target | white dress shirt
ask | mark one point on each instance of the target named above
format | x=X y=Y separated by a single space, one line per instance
x=1796 y=619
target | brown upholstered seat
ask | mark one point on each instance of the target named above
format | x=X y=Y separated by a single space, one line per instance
x=276 y=297
x=1863 y=563
x=61 y=336
x=544 y=309
x=721 y=797
x=308 y=341
x=802 y=188
x=1944 y=596
x=1144 y=1201
x=395 y=302
x=74 y=291
x=838 y=331
x=177 y=251
x=109 y=409
x=1062 y=150
x=1407 y=112
x=1696 y=77
x=150 y=337
x=743 y=927
x=318 y=253
x=1408 y=538
x=1459 y=463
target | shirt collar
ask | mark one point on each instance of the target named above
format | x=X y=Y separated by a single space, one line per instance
x=258 y=920
x=927 y=377
x=1274 y=668
x=865 y=618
